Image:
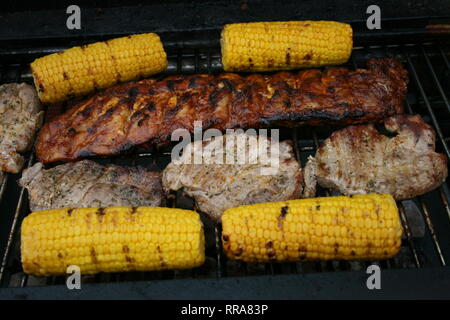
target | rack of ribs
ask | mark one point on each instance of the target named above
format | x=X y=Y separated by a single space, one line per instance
x=148 y=111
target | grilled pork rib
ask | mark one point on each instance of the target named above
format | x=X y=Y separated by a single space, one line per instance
x=359 y=159
x=148 y=111
x=86 y=184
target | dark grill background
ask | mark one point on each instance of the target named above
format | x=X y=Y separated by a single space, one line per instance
x=426 y=219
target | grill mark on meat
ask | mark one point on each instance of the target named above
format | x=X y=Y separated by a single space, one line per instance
x=128 y=100
x=287 y=103
x=213 y=98
x=193 y=82
x=87 y=111
x=141 y=121
x=108 y=113
x=184 y=98
x=172 y=112
x=229 y=85
x=171 y=84
x=246 y=105
x=71 y=132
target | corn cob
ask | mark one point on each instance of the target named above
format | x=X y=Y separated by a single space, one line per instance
x=80 y=70
x=111 y=239
x=268 y=46
x=362 y=227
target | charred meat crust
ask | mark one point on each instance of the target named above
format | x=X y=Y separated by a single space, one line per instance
x=149 y=111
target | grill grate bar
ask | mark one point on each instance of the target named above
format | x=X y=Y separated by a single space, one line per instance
x=217 y=236
x=444 y=201
x=444 y=56
x=430 y=226
x=408 y=233
x=14 y=224
x=436 y=80
x=3 y=185
x=23 y=280
x=427 y=104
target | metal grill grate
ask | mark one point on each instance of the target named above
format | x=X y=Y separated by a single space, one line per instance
x=429 y=71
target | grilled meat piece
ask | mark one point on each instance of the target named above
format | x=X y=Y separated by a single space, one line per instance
x=20 y=118
x=216 y=185
x=359 y=159
x=149 y=111
x=87 y=184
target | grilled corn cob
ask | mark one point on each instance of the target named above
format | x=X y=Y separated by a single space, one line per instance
x=358 y=227
x=111 y=239
x=80 y=70
x=267 y=46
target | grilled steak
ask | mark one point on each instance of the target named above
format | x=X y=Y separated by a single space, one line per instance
x=360 y=159
x=87 y=184
x=216 y=185
x=149 y=111
x=20 y=118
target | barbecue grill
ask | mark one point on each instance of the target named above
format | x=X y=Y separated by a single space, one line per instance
x=417 y=35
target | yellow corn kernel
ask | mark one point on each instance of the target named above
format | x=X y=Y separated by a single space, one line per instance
x=319 y=229
x=268 y=46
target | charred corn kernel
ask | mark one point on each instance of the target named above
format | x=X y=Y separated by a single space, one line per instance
x=267 y=46
x=112 y=239
x=80 y=70
x=314 y=229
